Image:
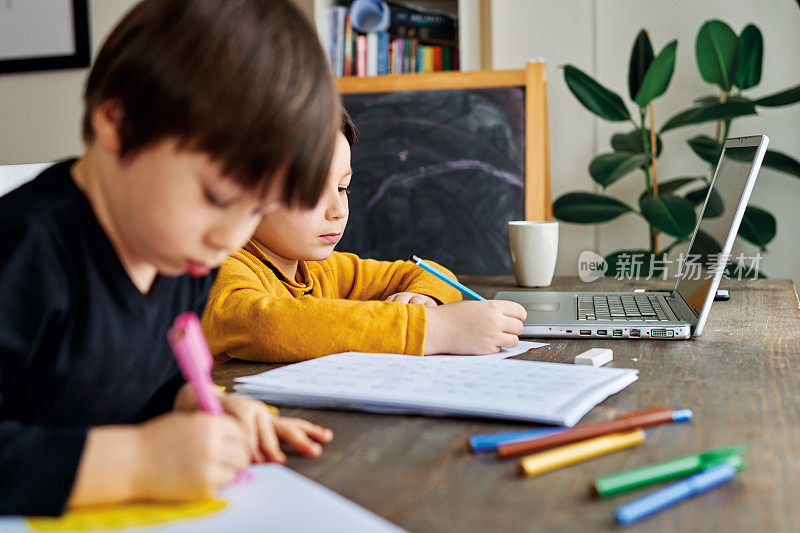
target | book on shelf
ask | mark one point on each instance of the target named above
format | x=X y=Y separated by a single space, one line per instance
x=419 y=40
x=411 y=21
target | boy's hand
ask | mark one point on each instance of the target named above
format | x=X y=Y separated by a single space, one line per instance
x=264 y=430
x=188 y=455
x=475 y=328
x=412 y=298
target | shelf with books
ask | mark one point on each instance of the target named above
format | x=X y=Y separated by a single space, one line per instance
x=420 y=36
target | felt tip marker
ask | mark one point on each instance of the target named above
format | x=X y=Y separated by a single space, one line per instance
x=680 y=467
x=640 y=508
x=641 y=419
x=194 y=359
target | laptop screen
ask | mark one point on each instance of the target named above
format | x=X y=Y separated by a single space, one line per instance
x=697 y=271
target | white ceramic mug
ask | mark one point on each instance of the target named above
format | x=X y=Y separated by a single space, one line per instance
x=534 y=248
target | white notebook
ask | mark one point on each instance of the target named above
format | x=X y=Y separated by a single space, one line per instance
x=549 y=393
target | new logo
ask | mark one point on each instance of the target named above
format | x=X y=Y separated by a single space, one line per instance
x=591 y=266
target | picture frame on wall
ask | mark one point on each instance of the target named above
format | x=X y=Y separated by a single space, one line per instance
x=40 y=35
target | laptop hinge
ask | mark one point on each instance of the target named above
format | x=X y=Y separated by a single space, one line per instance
x=681 y=308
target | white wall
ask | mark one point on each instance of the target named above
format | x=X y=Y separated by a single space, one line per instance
x=597 y=35
x=40 y=112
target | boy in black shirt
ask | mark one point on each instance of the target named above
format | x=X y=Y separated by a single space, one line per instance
x=198 y=119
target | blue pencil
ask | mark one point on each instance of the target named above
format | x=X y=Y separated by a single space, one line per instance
x=444 y=277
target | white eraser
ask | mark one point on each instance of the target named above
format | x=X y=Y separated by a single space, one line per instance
x=595 y=357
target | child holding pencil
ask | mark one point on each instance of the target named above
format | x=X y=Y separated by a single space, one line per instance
x=287 y=296
x=196 y=123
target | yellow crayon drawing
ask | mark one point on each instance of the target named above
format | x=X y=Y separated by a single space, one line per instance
x=145 y=514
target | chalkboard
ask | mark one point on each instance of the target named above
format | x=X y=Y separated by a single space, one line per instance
x=437 y=173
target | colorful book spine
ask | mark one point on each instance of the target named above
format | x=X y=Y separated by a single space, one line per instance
x=410 y=64
x=348 y=47
x=437 y=58
x=428 y=58
x=383 y=53
x=361 y=55
x=341 y=14
x=372 y=54
x=331 y=17
x=447 y=58
x=392 y=55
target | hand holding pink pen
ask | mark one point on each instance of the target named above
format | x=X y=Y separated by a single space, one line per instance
x=194 y=359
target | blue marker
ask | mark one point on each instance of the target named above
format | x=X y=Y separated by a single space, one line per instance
x=488 y=442
x=635 y=510
x=444 y=277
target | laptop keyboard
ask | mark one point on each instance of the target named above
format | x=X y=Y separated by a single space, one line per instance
x=597 y=307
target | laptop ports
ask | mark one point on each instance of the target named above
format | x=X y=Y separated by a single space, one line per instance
x=586 y=332
x=617 y=333
x=603 y=332
x=661 y=333
x=635 y=332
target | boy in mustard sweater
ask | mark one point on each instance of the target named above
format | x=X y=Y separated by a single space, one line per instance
x=287 y=296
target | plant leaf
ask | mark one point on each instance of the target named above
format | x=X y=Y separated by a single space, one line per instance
x=750 y=56
x=785 y=97
x=632 y=142
x=588 y=208
x=706 y=148
x=594 y=97
x=715 y=49
x=758 y=226
x=705 y=245
x=670 y=186
x=658 y=75
x=641 y=57
x=714 y=207
x=671 y=214
x=780 y=161
x=605 y=169
x=700 y=114
x=712 y=99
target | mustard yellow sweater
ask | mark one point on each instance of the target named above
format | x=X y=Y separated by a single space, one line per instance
x=256 y=313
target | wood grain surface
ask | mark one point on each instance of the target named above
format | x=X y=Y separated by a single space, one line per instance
x=741 y=379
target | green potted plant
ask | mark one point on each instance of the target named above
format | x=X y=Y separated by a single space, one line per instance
x=733 y=64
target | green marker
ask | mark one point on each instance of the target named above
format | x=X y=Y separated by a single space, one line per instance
x=648 y=475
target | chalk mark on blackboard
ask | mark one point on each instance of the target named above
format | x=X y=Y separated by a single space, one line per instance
x=442 y=168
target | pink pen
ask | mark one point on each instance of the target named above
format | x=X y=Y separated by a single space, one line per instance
x=194 y=359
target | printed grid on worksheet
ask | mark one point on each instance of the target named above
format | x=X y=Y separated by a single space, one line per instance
x=495 y=385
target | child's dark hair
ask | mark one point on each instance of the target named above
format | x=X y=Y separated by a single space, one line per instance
x=245 y=81
x=347 y=127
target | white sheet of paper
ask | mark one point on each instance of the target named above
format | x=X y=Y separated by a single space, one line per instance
x=521 y=347
x=276 y=499
x=550 y=393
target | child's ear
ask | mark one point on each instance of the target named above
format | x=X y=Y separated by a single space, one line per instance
x=106 y=120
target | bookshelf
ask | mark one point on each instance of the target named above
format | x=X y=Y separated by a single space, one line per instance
x=474 y=39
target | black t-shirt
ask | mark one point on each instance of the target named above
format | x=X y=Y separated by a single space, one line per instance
x=80 y=345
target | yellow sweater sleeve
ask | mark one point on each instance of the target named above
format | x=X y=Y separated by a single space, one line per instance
x=251 y=315
x=368 y=279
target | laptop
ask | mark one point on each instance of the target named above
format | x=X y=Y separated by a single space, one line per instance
x=677 y=314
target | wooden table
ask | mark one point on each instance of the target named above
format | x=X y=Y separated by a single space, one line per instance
x=741 y=379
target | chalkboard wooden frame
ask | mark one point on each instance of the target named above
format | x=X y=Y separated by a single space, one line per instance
x=533 y=78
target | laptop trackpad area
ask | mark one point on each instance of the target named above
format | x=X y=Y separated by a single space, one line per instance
x=543 y=307
x=533 y=307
